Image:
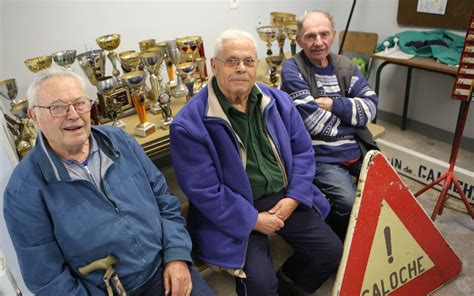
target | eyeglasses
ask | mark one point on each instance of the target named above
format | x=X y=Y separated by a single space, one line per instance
x=234 y=62
x=61 y=110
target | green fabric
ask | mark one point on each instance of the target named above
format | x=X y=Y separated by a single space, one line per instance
x=262 y=168
x=449 y=55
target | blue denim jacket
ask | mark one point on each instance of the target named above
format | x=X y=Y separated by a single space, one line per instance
x=58 y=224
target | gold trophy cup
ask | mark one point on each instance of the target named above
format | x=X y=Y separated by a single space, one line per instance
x=129 y=60
x=135 y=80
x=189 y=46
x=279 y=20
x=268 y=34
x=110 y=43
x=145 y=45
x=274 y=62
x=37 y=64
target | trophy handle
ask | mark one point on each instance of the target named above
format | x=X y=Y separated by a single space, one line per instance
x=113 y=60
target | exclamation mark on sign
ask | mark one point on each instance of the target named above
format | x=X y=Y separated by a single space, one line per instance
x=388 y=243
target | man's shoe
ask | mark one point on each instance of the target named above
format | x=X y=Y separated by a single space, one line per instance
x=285 y=287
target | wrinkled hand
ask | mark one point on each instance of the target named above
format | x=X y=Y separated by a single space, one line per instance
x=268 y=223
x=177 y=279
x=325 y=103
x=284 y=208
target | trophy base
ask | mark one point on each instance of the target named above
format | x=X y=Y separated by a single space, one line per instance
x=145 y=129
x=179 y=93
x=166 y=123
x=119 y=124
x=154 y=110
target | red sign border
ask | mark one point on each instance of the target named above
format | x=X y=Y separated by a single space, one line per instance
x=383 y=183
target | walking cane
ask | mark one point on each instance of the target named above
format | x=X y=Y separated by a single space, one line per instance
x=111 y=279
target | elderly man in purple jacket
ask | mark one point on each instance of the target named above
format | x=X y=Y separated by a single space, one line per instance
x=245 y=161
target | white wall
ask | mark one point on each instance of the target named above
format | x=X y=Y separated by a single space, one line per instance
x=38 y=27
x=35 y=28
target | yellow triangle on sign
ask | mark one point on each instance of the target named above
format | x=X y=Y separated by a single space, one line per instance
x=395 y=256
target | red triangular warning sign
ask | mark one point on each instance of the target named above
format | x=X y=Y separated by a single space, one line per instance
x=392 y=246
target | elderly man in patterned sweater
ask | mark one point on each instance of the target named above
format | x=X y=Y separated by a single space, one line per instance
x=335 y=102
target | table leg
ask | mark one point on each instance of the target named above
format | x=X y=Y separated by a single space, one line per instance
x=377 y=82
x=407 y=99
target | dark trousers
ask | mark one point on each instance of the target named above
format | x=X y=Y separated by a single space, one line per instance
x=317 y=251
x=155 y=285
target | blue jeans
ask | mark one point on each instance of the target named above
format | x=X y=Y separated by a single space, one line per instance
x=337 y=183
x=155 y=286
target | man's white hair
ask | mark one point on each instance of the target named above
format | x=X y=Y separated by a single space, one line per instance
x=32 y=91
x=232 y=34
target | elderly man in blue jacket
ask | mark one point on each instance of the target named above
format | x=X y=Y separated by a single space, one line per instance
x=84 y=193
x=245 y=161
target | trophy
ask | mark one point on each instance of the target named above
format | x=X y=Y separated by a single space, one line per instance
x=152 y=61
x=9 y=90
x=145 y=45
x=176 y=58
x=106 y=86
x=18 y=129
x=163 y=100
x=189 y=46
x=134 y=80
x=186 y=71
x=65 y=58
x=92 y=64
x=279 y=20
x=38 y=63
x=274 y=62
x=168 y=63
x=291 y=30
x=201 y=71
x=21 y=126
x=110 y=43
x=129 y=60
x=268 y=34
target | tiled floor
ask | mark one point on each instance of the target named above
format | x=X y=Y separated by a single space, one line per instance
x=455 y=225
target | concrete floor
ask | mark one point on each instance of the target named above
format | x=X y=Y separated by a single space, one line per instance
x=455 y=225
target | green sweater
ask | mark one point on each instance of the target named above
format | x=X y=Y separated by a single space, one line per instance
x=262 y=168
